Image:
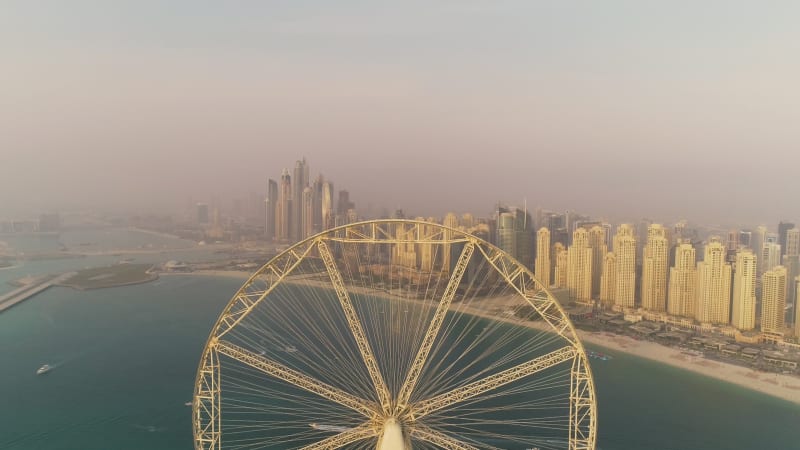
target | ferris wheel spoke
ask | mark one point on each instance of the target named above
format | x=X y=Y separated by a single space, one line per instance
x=249 y=296
x=433 y=329
x=519 y=280
x=355 y=327
x=361 y=432
x=296 y=378
x=491 y=382
x=439 y=439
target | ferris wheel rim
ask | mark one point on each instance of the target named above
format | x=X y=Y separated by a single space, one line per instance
x=301 y=249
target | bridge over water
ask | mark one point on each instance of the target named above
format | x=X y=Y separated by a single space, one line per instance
x=29 y=290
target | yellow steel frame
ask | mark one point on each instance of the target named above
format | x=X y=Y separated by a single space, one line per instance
x=433 y=329
x=206 y=409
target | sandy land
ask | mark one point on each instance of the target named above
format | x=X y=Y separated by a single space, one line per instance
x=778 y=385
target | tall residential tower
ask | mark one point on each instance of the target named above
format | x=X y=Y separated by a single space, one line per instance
x=625 y=252
x=744 y=291
x=654 y=269
x=714 y=285
x=683 y=282
x=542 y=265
x=773 y=300
x=579 y=275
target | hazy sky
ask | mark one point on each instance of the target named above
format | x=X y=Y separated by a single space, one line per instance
x=623 y=109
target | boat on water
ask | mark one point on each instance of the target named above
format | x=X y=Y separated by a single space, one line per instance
x=598 y=355
x=187 y=404
x=44 y=369
x=290 y=349
x=331 y=428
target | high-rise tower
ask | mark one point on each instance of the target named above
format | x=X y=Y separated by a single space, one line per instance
x=271 y=204
x=744 y=291
x=683 y=282
x=783 y=229
x=299 y=183
x=561 y=265
x=608 y=281
x=599 y=246
x=773 y=300
x=328 y=213
x=792 y=242
x=625 y=252
x=284 y=208
x=654 y=269
x=770 y=256
x=514 y=234
x=757 y=245
x=797 y=306
x=450 y=221
x=714 y=285
x=308 y=213
x=542 y=265
x=579 y=257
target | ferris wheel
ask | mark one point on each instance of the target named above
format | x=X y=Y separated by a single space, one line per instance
x=393 y=334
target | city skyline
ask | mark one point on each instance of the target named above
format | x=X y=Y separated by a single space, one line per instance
x=652 y=111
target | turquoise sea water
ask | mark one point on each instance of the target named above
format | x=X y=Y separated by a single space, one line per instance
x=125 y=360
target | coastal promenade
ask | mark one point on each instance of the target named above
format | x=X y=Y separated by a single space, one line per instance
x=25 y=292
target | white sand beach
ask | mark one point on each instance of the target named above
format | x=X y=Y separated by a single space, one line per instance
x=782 y=386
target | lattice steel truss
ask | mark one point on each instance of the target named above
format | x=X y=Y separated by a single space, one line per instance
x=208 y=416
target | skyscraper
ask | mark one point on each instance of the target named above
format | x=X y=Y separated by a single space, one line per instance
x=542 y=265
x=599 y=246
x=770 y=256
x=641 y=238
x=450 y=221
x=783 y=229
x=328 y=213
x=744 y=291
x=284 y=208
x=773 y=300
x=513 y=234
x=731 y=245
x=308 y=213
x=271 y=204
x=625 y=252
x=561 y=265
x=792 y=265
x=299 y=183
x=714 y=285
x=344 y=204
x=579 y=261
x=797 y=307
x=746 y=239
x=654 y=269
x=608 y=281
x=757 y=245
x=683 y=282
x=792 y=242
x=316 y=209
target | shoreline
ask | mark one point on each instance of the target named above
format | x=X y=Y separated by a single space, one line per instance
x=776 y=385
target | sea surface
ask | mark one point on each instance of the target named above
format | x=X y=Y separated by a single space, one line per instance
x=125 y=361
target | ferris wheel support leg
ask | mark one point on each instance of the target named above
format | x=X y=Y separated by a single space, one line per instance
x=353 y=322
x=433 y=328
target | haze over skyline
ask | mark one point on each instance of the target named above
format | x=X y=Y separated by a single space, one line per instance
x=618 y=109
